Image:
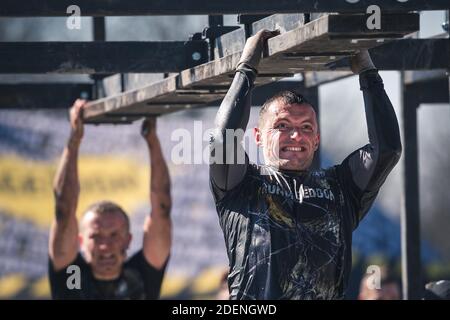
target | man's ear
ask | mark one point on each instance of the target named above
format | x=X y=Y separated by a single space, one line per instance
x=130 y=237
x=80 y=239
x=258 y=136
x=317 y=142
x=127 y=244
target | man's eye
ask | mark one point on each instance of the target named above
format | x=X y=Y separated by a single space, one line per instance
x=307 y=128
x=281 y=126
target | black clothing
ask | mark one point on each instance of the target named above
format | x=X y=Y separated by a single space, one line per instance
x=288 y=234
x=138 y=280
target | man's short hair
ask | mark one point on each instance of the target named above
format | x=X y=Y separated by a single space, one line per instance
x=285 y=97
x=105 y=206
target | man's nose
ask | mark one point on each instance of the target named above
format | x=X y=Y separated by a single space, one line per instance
x=104 y=244
x=296 y=134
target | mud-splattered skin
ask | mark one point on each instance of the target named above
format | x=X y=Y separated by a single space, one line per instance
x=288 y=234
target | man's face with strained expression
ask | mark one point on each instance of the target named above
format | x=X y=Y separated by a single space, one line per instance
x=288 y=134
x=104 y=241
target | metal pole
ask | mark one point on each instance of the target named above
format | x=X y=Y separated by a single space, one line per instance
x=98 y=34
x=446 y=27
x=99 y=29
x=410 y=215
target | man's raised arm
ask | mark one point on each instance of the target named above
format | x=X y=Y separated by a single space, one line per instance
x=371 y=164
x=226 y=169
x=158 y=226
x=63 y=245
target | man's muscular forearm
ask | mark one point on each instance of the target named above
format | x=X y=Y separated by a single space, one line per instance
x=158 y=226
x=66 y=185
x=234 y=113
x=63 y=245
x=160 y=181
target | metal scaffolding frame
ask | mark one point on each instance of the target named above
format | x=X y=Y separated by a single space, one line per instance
x=131 y=82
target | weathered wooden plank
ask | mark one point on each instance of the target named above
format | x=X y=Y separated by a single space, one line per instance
x=214 y=73
x=319 y=44
x=229 y=43
x=156 y=98
x=314 y=46
x=234 y=41
x=281 y=22
x=135 y=98
x=113 y=85
x=36 y=8
x=219 y=74
x=308 y=47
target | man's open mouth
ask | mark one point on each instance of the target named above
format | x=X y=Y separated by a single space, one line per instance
x=293 y=149
x=107 y=259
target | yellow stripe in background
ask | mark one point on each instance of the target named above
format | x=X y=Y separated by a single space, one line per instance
x=41 y=288
x=207 y=281
x=26 y=186
x=173 y=285
x=11 y=285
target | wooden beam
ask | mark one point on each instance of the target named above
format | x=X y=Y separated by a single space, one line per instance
x=36 y=8
x=131 y=99
x=321 y=43
x=229 y=43
x=100 y=57
x=313 y=46
x=157 y=98
x=307 y=47
x=234 y=41
x=119 y=83
x=282 y=22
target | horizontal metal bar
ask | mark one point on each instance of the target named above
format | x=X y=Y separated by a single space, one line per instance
x=24 y=78
x=432 y=91
x=101 y=57
x=42 y=96
x=404 y=54
x=424 y=76
x=412 y=54
x=36 y=8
